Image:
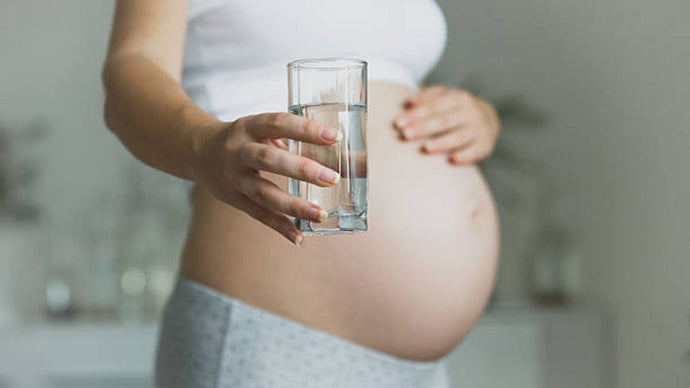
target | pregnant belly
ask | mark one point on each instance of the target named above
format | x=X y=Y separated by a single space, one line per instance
x=412 y=285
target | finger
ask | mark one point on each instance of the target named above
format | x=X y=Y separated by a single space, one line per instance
x=438 y=123
x=274 y=220
x=430 y=93
x=280 y=143
x=413 y=100
x=266 y=158
x=289 y=126
x=471 y=153
x=451 y=140
x=412 y=103
x=439 y=103
x=351 y=164
x=270 y=196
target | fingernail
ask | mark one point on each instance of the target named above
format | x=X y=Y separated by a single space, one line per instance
x=429 y=146
x=408 y=133
x=298 y=241
x=329 y=176
x=317 y=214
x=330 y=133
x=401 y=121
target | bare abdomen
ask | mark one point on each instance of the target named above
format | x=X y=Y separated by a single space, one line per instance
x=412 y=285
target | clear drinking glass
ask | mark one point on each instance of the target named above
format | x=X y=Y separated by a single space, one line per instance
x=333 y=91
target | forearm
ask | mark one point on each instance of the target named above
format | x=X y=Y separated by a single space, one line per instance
x=152 y=116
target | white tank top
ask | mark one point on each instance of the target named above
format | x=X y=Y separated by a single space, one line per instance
x=236 y=51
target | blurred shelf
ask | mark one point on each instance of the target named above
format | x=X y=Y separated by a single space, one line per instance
x=528 y=311
x=524 y=346
x=77 y=355
x=517 y=346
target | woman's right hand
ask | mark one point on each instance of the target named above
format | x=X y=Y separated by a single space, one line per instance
x=232 y=156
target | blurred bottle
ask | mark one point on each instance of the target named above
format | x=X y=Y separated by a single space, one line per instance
x=58 y=297
x=132 y=285
x=63 y=253
x=555 y=270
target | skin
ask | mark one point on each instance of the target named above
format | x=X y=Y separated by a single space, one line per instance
x=451 y=121
x=240 y=170
x=412 y=285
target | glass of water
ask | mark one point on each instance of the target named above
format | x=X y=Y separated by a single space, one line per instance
x=333 y=91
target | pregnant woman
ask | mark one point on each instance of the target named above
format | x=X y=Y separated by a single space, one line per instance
x=195 y=88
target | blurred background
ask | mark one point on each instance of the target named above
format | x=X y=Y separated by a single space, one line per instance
x=589 y=176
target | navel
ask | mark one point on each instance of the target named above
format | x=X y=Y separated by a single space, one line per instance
x=474 y=207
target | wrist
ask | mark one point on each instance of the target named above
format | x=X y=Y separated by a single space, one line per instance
x=203 y=137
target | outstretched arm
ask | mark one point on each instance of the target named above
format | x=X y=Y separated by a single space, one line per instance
x=145 y=105
x=153 y=117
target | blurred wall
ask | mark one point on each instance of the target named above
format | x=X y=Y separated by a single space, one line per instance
x=88 y=187
x=614 y=75
x=52 y=53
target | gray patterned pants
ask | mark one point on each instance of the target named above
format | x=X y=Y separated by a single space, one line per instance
x=211 y=340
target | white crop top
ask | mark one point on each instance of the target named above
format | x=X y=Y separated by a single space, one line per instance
x=236 y=51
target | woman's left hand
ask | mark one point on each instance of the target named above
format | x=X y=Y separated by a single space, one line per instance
x=451 y=121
